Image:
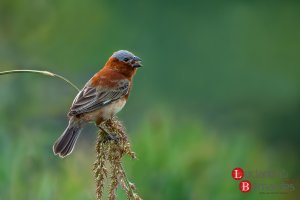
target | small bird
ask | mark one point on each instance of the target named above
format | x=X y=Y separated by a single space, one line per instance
x=104 y=95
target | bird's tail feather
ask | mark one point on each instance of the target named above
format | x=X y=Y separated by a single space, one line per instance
x=64 y=145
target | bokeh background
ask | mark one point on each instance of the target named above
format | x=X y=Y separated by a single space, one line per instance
x=220 y=88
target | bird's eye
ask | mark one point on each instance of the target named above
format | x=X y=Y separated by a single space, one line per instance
x=126 y=59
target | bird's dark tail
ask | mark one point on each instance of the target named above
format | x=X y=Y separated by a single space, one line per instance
x=64 y=145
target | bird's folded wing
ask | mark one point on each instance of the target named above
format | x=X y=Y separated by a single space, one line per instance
x=90 y=98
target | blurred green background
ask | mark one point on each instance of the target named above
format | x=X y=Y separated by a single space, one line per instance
x=220 y=88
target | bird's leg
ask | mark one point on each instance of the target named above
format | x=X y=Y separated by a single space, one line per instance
x=115 y=138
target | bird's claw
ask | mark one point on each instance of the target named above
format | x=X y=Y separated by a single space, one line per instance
x=112 y=137
x=108 y=136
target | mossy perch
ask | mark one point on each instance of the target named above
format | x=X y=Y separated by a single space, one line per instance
x=110 y=152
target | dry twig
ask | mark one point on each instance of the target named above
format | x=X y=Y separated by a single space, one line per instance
x=110 y=152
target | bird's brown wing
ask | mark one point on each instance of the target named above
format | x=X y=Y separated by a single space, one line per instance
x=90 y=98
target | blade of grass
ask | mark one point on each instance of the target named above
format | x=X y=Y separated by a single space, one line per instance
x=46 y=73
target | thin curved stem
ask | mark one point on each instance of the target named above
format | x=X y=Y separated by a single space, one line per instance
x=46 y=73
x=127 y=181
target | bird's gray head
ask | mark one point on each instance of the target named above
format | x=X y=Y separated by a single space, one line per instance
x=127 y=57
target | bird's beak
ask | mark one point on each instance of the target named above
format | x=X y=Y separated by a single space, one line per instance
x=137 y=62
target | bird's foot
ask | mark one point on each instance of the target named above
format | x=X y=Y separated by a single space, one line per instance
x=108 y=136
x=112 y=137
